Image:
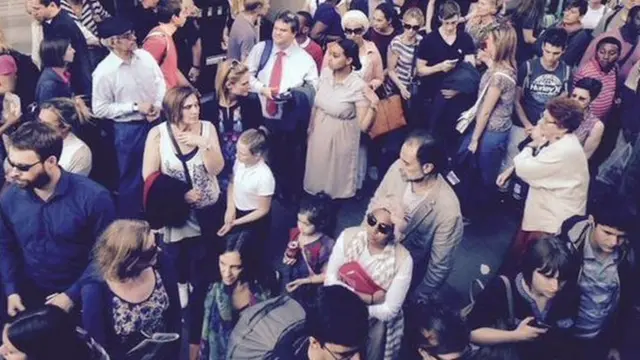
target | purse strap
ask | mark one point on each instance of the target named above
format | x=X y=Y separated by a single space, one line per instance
x=179 y=154
x=486 y=87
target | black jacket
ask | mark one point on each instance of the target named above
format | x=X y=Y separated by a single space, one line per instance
x=63 y=26
x=250 y=111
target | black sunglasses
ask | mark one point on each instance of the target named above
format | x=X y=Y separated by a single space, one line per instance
x=22 y=167
x=356 y=31
x=410 y=27
x=384 y=229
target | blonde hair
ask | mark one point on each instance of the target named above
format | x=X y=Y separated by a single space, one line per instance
x=117 y=245
x=174 y=100
x=506 y=41
x=237 y=6
x=256 y=140
x=414 y=14
x=4 y=44
x=73 y=113
x=357 y=17
x=229 y=72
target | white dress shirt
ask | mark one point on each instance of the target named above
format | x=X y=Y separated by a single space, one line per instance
x=394 y=298
x=118 y=85
x=558 y=177
x=298 y=67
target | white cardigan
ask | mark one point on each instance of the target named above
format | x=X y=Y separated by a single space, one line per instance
x=558 y=177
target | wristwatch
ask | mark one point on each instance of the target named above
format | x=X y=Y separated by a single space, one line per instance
x=135 y=107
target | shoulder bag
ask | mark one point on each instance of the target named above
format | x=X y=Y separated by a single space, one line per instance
x=389 y=115
x=209 y=217
x=468 y=116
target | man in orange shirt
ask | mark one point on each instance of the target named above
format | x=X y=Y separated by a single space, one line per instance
x=159 y=43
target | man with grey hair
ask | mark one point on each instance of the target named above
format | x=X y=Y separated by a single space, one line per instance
x=128 y=88
x=432 y=211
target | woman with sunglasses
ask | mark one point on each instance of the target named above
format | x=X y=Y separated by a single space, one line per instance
x=344 y=108
x=402 y=51
x=134 y=294
x=373 y=264
x=232 y=111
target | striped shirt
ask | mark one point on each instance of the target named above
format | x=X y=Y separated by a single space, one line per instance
x=92 y=14
x=602 y=104
x=405 y=55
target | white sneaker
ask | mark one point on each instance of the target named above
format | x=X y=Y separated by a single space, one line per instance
x=183 y=292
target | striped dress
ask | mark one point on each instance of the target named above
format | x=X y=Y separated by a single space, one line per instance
x=405 y=55
x=92 y=14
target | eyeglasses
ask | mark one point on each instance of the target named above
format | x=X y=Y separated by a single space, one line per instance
x=411 y=27
x=22 y=167
x=356 y=31
x=343 y=356
x=382 y=228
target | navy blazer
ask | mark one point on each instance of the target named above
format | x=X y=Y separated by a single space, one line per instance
x=97 y=312
x=51 y=85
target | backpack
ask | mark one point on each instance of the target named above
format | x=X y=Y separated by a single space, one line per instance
x=565 y=77
x=272 y=330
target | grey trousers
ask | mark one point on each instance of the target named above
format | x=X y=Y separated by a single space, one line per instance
x=376 y=340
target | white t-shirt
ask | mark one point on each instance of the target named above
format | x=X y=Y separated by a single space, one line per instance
x=591 y=19
x=76 y=156
x=250 y=183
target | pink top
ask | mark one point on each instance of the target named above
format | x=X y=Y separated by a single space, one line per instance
x=163 y=49
x=371 y=63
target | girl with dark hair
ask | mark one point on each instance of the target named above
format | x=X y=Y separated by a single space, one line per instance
x=238 y=289
x=46 y=334
x=55 y=80
x=345 y=106
x=544 y=304
x=309 y=245
x=527 y=21
x=385 y=25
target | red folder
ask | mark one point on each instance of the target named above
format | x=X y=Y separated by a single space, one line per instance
x=356 y=277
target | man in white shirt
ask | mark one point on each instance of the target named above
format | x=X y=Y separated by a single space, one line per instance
x=285 y=78
x=128 y=88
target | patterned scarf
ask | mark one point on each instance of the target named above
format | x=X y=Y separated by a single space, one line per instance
x=384 y=270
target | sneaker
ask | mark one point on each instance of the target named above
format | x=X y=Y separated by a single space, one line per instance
x=183 y=292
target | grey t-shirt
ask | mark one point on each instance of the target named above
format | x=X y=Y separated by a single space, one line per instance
x=242 y=37
x=540 y=86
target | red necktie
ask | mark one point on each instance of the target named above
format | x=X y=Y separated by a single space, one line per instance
x=274 y=83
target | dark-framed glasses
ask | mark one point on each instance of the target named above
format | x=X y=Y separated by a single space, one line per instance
x=383 y=228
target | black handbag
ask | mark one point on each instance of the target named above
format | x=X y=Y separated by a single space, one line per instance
x=209 y=217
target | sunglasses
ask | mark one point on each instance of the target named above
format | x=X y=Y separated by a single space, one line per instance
x=411 y=27
x=22 y=167
x=356 y=31
x=384 y=229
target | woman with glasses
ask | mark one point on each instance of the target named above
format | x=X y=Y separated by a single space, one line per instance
x=55 y=80
x=134 y=294
x=385 y=25
x=345 y=106
x=554 y=165
x=370 y=261
x=591 y=128
x=239 y=288
x=402 y=54
x=69 y=117
x=232 y=111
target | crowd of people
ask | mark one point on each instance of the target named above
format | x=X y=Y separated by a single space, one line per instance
x=143 y=150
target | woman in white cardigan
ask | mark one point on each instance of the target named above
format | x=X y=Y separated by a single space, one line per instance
x=387 y=264
x=555 y=167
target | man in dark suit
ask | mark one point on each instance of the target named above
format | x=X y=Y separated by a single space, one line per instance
x=58 y=24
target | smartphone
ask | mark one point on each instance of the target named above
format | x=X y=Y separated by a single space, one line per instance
x=284 y=97
x=539 y=324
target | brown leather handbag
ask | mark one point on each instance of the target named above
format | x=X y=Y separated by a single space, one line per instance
x=389 y=116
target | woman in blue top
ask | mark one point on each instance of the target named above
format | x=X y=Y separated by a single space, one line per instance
x=55 y=80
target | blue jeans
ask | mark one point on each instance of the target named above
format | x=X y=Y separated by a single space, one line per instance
x=129 y=140
x=491 y=150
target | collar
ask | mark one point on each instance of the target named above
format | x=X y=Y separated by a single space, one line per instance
x=61 y=188
x=286 y=51
x=305 y=43
x=63 y=74
x=118 y=61
x=589 y=253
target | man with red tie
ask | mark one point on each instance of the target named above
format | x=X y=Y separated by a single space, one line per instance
x=284 y=76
